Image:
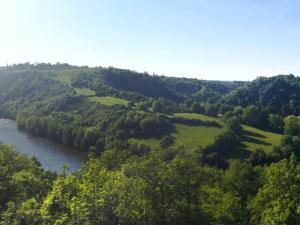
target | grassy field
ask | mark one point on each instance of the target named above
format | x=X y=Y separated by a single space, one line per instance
x=63 y=78
x=196 y=116
x=85 y=91
x=66 y=78
x=256 y=138
x=108 y=100
x=195 y=136
x=189 y=136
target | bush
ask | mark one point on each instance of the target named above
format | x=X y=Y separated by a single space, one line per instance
x=233 y=124
x=166 y=141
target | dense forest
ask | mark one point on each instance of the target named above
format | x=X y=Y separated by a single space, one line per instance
x=162 y=187
x=161 y=150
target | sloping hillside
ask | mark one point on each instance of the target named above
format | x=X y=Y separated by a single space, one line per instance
x=279 y=94
x=103 y=107
x=132 y=85
x=194 y=136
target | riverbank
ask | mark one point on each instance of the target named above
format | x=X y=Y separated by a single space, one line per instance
x=50 y=154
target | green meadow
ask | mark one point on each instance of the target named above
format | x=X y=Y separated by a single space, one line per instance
x=185 y=135
x=196 y=116
x=85 y=92
x=255 y=138
x=192 y=136
x=66 y=78
x=108 y=100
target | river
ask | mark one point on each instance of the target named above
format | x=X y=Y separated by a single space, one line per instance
x=50 y=154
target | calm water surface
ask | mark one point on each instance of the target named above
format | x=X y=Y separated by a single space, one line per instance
x=50 y=154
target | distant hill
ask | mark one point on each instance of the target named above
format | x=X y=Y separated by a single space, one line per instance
x=132 y=85
x=108 y=107
x=278 y=94
x=129 y=84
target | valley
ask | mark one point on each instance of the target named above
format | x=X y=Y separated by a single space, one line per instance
x=111 y=145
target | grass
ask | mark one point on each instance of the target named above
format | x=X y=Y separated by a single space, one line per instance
x=256 y=138
x=65 y=76
x=194 y=136
x=196 y=116
x=188 y=136
x=108 y=100
x=85 y=92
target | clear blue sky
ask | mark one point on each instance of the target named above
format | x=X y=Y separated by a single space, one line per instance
x=207 y=39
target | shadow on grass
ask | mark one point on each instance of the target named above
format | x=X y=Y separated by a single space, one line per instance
x=256 y=141
x=239 y=152
x=250 y=133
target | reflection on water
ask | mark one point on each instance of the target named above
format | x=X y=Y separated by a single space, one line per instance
x=51 y=154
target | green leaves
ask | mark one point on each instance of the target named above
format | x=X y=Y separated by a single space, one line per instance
x=277 y=201
x=160 y=187
x=220 y=207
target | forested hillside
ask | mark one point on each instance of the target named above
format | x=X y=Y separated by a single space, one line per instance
x=162 y=150
x=278 y=95
x=98 y=107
